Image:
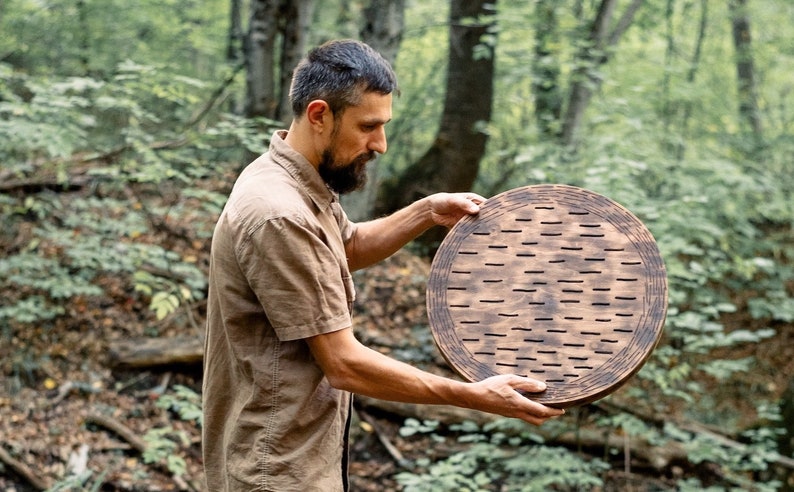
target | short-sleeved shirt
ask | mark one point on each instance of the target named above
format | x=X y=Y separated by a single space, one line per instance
x=278 y=274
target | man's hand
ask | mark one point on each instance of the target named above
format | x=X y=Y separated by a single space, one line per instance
x=377 y=239
x=447 y=209
x=500 y=395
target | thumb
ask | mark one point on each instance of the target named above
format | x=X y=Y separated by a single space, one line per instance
x=529 y=385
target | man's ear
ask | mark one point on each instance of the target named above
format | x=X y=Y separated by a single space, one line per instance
x=319 y=115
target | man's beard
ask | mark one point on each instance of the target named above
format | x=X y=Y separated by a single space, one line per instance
x=346 y=177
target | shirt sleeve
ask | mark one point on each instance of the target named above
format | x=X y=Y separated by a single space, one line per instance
x=302 y=284
x=346 y=227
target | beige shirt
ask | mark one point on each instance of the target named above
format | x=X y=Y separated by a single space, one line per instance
x=278 y=274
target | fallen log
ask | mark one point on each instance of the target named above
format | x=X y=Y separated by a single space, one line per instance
x=139 y=353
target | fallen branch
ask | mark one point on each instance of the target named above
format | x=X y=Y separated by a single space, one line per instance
x=136 y=442
x=23 y=470
x=119 y=429
x=395 y=453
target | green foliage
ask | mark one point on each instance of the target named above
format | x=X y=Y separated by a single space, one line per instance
x=161 y=447
x=735 y=462
x=185 y=402
x=413 y=426
x=79 y=482
x=502 y=456
x=93 y=36
x=163 y=444
x=45 y=122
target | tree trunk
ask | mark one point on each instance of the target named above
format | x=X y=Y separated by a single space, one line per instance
x=749 y=113
x=84 y=36
x=295 y=18
x=382 y=29
x=546 y=69
x=383 y=25
x=672 y=109
x=584 y=77
x=234 y=44
x=260 y=54
x=452 y=162
x=595 y=52
x=273 y=24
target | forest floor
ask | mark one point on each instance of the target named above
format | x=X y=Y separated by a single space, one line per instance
x=65 y=406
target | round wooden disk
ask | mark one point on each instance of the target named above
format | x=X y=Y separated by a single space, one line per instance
x=552 y=282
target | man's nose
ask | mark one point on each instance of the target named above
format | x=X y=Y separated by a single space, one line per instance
x=378 y=142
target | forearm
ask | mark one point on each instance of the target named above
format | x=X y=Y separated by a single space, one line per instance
x=378 y=239
x=350 y=366
x=353 y=367
x=379 y=376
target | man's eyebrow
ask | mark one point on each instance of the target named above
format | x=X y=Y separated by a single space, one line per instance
x=375 y=121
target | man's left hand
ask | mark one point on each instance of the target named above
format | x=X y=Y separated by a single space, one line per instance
x=448 y=208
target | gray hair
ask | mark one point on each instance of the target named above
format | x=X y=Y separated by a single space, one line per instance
x=339 y=73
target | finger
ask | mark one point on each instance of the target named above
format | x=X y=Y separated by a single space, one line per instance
x=471 y=203
x=475 y=198
x=542 y=412
x=537 y=421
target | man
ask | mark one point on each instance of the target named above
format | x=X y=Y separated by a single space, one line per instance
x=281 y=360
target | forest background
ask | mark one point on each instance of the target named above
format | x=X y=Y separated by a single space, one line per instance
x=124 y=124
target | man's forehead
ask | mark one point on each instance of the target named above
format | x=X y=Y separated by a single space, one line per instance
x=373 y=107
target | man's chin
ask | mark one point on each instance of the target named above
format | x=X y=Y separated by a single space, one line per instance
x=358 y=185
x=347 y=179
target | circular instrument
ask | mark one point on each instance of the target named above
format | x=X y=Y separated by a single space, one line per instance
x=552 y=282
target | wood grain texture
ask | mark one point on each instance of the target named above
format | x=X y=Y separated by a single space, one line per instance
x=552 y=282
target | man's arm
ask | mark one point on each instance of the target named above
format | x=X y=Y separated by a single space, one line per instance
x=351 y=366
x=380 y=238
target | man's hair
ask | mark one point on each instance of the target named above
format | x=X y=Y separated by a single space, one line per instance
x=339 y=73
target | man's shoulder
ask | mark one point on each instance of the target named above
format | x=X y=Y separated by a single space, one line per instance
x=266 y=190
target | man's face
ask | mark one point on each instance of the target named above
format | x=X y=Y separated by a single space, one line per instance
x=356 y=138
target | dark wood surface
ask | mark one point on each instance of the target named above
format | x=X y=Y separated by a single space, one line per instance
x=552 y=282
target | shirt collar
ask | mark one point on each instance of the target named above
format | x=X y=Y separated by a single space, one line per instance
x=301 y=170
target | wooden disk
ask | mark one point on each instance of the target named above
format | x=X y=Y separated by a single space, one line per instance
x=552 y=282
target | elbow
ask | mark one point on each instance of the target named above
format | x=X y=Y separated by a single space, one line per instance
x=341 y=378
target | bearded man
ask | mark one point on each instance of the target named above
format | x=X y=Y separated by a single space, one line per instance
x=281 y=360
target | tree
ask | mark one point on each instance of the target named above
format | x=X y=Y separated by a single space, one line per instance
x=749 y=113
x=274 y=24
x=546 y=68
x=672 y=109
x=452 y=161
x=382 y=28
x=595 y=51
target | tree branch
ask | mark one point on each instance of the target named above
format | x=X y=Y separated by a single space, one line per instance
x=23 y=470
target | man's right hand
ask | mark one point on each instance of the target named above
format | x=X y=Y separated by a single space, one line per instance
x=501 y=395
